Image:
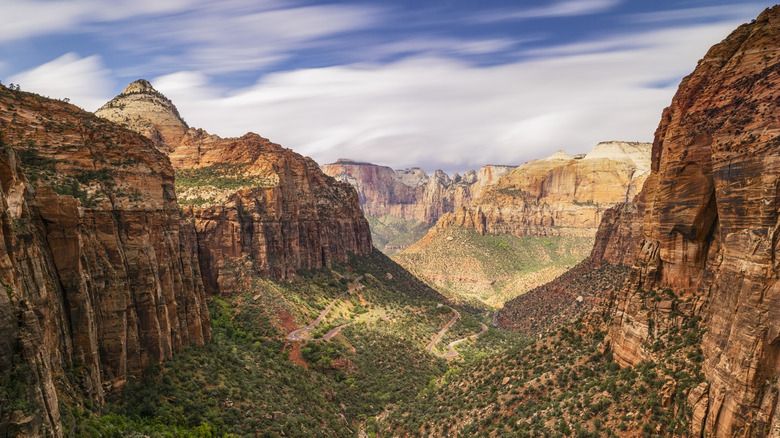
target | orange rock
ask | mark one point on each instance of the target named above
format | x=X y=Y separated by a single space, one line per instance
x=558 y=195
x=411 y=194
x=710 y=230
x=284 y=216
x=93 y=256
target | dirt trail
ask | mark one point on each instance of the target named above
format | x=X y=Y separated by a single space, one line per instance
x=295 y=334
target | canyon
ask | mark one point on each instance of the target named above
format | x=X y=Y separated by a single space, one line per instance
x=558 y=195
x=411 y=194
x=530 y=226
x=105 y=273
x=130 y=239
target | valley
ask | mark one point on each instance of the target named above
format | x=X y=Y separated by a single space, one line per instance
x=162 y=281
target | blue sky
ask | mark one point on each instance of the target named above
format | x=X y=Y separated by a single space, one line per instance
x=438 y=84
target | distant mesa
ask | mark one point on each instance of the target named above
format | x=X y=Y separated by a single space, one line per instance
x=558 y=195
x=403 y=204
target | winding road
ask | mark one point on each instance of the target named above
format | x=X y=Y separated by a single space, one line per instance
x=450 y=350
x=441 y=333
x=295 y=334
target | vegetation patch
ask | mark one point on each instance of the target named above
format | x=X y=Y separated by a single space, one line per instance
x=487 y=270
x=392 y=234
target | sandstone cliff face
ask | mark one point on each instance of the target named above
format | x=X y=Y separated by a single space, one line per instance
x=411 y=194
x=99 y=273
x=558 y=195
x=254 y=203
x=710 y=233
x=294 y=218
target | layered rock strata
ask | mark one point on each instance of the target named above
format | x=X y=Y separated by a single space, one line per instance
x=558 y=195
x=254 y=204
x=411 y=194
x=709 y=236
x=99 y=274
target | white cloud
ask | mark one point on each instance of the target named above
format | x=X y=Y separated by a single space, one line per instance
x=566 y=8
x=441 y=113
x=84 y=80
x=428 y=110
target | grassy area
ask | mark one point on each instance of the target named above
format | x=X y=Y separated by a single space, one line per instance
x=490 y=269
x=562 y=385
x=392 y=234
x=209 y=184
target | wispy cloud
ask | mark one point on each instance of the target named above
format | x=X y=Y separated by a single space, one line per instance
x=30 y=18
x=408 y=112
x=239 y=36
x=430 y=106
x=567 y=8
x=724 y=12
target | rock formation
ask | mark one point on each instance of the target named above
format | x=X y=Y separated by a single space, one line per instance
x=143 y=109
x=253 y=202
x=411 y=194
x=99 y=273
x=558 y=195
x=709 y=235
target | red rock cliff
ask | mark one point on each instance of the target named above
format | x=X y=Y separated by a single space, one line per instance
x=411 y=194
x=98 y=272
x=710 y=232
x=252 y=200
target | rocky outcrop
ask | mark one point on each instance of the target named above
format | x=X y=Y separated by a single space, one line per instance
x=619 y=231
x=253 y=203
x=295 y=218
x=143 y=109
x=709 y=235
x=411 y=194
x=98 y=272
x=558 y=195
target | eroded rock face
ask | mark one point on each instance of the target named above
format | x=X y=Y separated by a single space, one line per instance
x=558 y=195
x=298 y=218
x=411 y=194
x=710 y=231
x=254 y=203
x=99 y=274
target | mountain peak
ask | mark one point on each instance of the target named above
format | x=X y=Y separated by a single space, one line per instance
x=139 y=86
x=145 y=110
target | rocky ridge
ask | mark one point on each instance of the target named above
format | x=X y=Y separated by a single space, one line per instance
x=558 y=195
x=412 y=194
x=99 y=273
x=708 y=240
x=253 y=202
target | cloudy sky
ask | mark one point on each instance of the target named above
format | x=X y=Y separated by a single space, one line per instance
x=450 y=84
